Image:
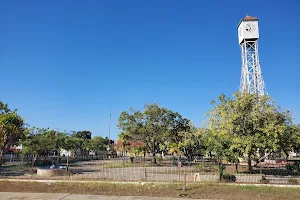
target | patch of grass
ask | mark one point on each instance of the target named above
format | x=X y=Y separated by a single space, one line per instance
x=182 y=171
x=15 y=170
x=124 y=165
x=194 y=190
x=13 y=167
x=206 y=167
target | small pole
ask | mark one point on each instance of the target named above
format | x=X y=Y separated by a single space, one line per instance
x=67 y=163
x=68 y=166
x=184 y=187
x=11 y=156
x=145 y=173
x=179 y=165
x=260 y=167
x=141 y=161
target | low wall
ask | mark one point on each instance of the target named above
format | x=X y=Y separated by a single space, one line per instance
x=248 y=178
x=243 y=178
x=52 y=172
x=206 y=177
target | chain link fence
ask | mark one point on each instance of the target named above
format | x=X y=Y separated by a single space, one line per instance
x=140 y=168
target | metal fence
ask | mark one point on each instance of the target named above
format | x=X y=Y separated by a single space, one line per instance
x=139 y=168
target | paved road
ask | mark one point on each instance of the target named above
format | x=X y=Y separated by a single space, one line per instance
x=66 y=196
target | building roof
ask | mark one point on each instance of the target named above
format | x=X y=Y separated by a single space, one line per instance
x=248 y=18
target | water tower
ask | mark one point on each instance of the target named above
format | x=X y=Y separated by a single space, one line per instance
x=251 y=77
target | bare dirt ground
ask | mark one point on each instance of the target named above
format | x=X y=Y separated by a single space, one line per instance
x=96 y=169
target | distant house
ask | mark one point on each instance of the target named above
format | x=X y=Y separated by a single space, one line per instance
x=15 y=149
x=64 y=152
x=71 y=153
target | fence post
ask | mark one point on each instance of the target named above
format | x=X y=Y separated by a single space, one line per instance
x=184 y=187
x=146 y=173
x=141 y=161
x=67 y=167
x=260 y=168
x=179 y=166
x=69 y=173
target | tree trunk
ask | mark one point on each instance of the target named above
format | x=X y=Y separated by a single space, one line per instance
x=249 y=163
x=123 y=159
x=154 y=158
x=286 y=155
x=219 y=169
x=33 y=161
x=1 y=157
x=2 y=154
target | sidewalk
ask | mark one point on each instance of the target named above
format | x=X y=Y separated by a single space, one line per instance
x=66 y=196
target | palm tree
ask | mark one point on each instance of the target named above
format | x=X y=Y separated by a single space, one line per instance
x=124 y=138
x=176 y=147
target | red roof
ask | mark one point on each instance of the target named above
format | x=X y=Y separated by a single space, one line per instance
x=248 y=18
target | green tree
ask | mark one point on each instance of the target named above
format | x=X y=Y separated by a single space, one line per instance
x=72 y=144
x=220 y=144
x=43 y=141
x=290 y=140
x=188 y=143
x=86 y=135
x=98 y=144
x=11 y=129
x=85 y=138
x=124 y=139
x=153 y=126
x=253 y=123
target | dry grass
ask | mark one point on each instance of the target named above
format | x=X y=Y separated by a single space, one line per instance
x=215 y=191
x=125 y=164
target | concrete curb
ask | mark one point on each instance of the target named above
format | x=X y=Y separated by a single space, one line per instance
x=68 y=196
x=144 y=183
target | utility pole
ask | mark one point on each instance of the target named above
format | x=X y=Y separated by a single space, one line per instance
x=110 y=113
x=109 y=125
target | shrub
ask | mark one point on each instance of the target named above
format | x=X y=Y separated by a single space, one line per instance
x=159 y=159
x=264 y=180
x=293 y=181
x=228 y=178
x=222 y=168
x=131 y=159
x=293 y=167
x=206 y=167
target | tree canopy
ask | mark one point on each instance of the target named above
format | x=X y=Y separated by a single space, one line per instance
x=153 y=126
x=11 y=128
x=249 y=123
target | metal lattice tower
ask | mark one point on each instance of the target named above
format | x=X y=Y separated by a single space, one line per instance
x=251 y=76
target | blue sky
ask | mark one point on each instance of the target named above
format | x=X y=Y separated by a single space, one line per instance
x=65 y=64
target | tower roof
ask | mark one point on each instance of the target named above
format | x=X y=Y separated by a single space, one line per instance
x=248 y=18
